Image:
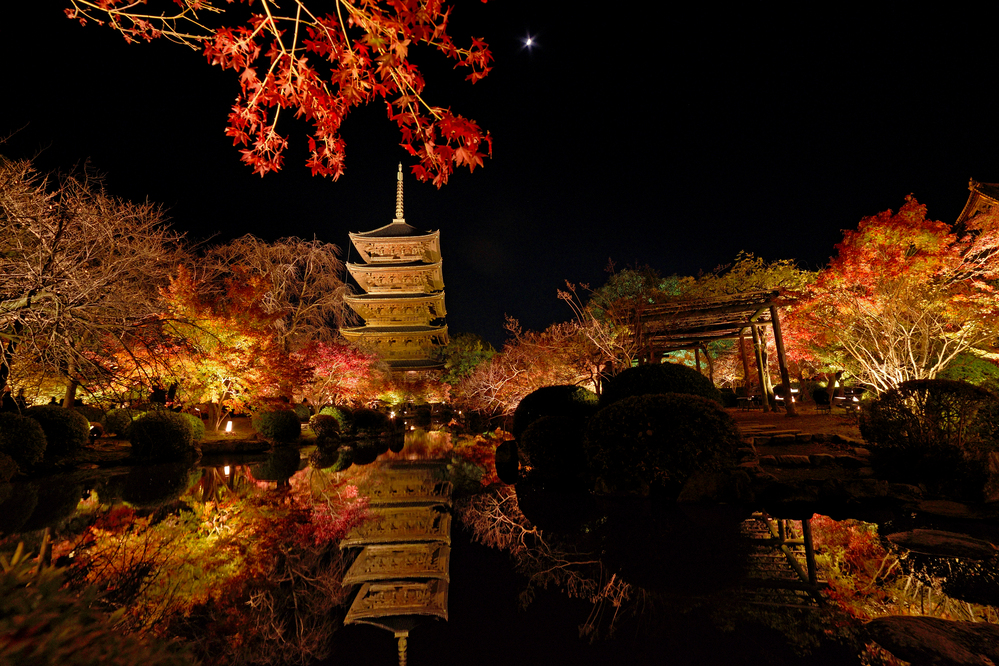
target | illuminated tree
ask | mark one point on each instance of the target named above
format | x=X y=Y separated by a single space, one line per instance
x=901 y=299
x=304 y=290
x=528 y=361
x=462 y=355
x=340 y=374
x=318 y=61
x=228 y=355
x=79 y=273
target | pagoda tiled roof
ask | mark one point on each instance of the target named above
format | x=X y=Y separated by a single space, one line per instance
x=395 y=229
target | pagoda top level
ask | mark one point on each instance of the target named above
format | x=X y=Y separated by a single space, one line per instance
x=397 y=242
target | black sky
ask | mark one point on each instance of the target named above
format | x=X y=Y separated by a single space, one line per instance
x=638 y=133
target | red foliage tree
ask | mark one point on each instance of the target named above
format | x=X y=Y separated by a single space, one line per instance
x=319 y=66
x=903 y=296
x=339 y=374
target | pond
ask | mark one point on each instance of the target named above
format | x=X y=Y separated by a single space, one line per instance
x=245 y=550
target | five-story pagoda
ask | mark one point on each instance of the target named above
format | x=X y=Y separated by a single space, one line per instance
x=403 y=303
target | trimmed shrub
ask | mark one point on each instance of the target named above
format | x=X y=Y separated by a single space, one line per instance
x=278 y=426
x=657 y=441
x=197 y=426
x=8 y=468
x=65 y=430
x=118 y=421
x=282 y=462
x=23 y=439
x=553 y=447
x=574 y=402
x=659 y=378
x=325 y=427
x=161 y=436
x=92 y=412
x=934 y=431
x=342 y=415
x=302 y=412
x=371 y=422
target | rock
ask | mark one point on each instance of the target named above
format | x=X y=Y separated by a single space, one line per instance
x=904 y=491
x=930 y=640
x=793 y=461
x=803 y=438
x=944 y=544
x=866 y=472
x=861 y=452
x=727 y=486
x=768 y=460
x=822 y=437
x=850 y=462
x=822 y=459
x=785 y=438
x=945 y=508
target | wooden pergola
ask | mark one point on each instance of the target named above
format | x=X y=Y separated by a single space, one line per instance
x=691 y=324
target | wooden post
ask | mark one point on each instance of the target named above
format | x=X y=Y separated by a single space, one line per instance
x=745 y=360
x=782 y=362
x=806 y=534
x=711 y=364
x=697 y=359
x=761 y=370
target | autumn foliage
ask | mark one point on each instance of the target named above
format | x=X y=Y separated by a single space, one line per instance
x=902 y=298
x=318 y=63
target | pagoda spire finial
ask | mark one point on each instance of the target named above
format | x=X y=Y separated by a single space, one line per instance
x=398 y=195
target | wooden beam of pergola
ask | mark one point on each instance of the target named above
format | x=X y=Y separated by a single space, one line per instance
x=689 y=324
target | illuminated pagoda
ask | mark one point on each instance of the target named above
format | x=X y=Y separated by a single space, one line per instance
x=403 y=301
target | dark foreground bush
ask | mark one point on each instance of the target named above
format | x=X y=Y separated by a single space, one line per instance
x=933 y=431
x=574 y=402
x=42 y=621
x=278 y=426
x=659 y=378
x=66 y=431
x=371 y=422
x=553 y=447
x=118 y=421
x=658 y=441
x=23 y=439
x=325 y=426
x=342 y=415
x=161 y=435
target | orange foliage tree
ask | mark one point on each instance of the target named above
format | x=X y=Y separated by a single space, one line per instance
x=903 y=296
x=318 y=61
x=230 y=355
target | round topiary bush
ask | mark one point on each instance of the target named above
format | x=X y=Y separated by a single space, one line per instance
x=934 y=431
x=161 y=436
x=303 y=412
x=197 y=426
x=371 y=422
x=326 y=427
x=552 y=446
x=659 y=378
x=342 y=415
x=574 y=402
x=23 y=439
x=657 y=441
x=278 y=426
x=92 y=412
x=333 y=460
x=118 y=421
x=65 y=430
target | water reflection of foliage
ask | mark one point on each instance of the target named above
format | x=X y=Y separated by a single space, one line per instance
x=243 y=575
x=496 y=521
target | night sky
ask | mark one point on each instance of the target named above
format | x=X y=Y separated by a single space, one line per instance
x=639 y=133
